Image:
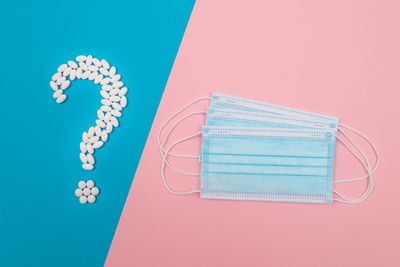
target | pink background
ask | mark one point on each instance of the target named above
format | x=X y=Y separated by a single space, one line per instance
x=336 y=57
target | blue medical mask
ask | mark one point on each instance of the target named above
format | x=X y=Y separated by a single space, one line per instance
x=239 y=118
x=267 y=164
x=237 y=103
x=231 y=117
x=297 y=166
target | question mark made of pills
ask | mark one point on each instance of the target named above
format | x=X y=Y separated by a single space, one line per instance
x=114 y=100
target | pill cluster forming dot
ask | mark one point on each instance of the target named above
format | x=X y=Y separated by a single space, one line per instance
x=87 y=192
x=112 y=91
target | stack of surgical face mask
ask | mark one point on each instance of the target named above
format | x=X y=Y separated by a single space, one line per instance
x=254 y=150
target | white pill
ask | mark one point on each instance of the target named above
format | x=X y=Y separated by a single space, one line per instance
x=97 y=130
x=123 y=101
x=72 y=64
x=104 y=94
x=98 y=79
x=82 y=184
x=105 y=81
x=85 y=75
x=83 y=66
x=115 y=98
x=86 y=191
x=91 y=199
x=103 y=71
x=105 y=108
x=61 y=80
x=79 y=73
x=83 y=158
x=85 y=137
x=62 y=67
x=54 y=85
x=116 y=106
x=89 y=148
x=57 y=93
x=65 y=84
x=94 y=191
x=107 y=87
x=106 y=102
x=72 y=75
x=90 y=160
x=114 y=91
x=107 y=117
x=66 y=72
x=93 y=68
x=123 y=91
x=89 y=60
x=100 y=123
x=116 y=78
x=118 y=84
x=116 y=113
x=109 y=128
x=93 y=139
x=100 y=114
x=98 y=144
x=90 y=184
x=80 y=58
x=93 y=75
x=105 y=64
x=56 y=76
x=96 y=62
x=91 y=131
x=79 y=192
x=112 y=71
x=82 y=146
x=114 y=122
x=87 y=167
x=61 y=98
x=83 y=200
x=104 y=136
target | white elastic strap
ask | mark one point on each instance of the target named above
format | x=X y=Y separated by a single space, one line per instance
x=169 y=119
x=370 y=186
x=166 y=137
x=163 y=167
x=378 y=160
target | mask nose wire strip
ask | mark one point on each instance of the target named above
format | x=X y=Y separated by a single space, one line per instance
x=370 y=186
x=173 y=116
x=166 y=137
x=378 y=159
x=163 y=167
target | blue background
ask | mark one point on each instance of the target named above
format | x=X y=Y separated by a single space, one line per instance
x=41 y=220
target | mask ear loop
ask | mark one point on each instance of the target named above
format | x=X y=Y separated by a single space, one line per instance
x=378 y=159
x=370 y=187
x=169 y=119
x=166 y=137
x=163 y=167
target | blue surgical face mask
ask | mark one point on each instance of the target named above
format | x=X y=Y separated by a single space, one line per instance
x=231 y=117
x=237 y=103
x=267 y=164
x=258 y=151
x=239 y=118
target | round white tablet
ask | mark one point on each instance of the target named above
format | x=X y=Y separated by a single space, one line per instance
x=78 y=192
x=83 y=199
x=86 y=191
x=91 y=198
x=82 y=184
x=94 y=191
x=90 y=183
